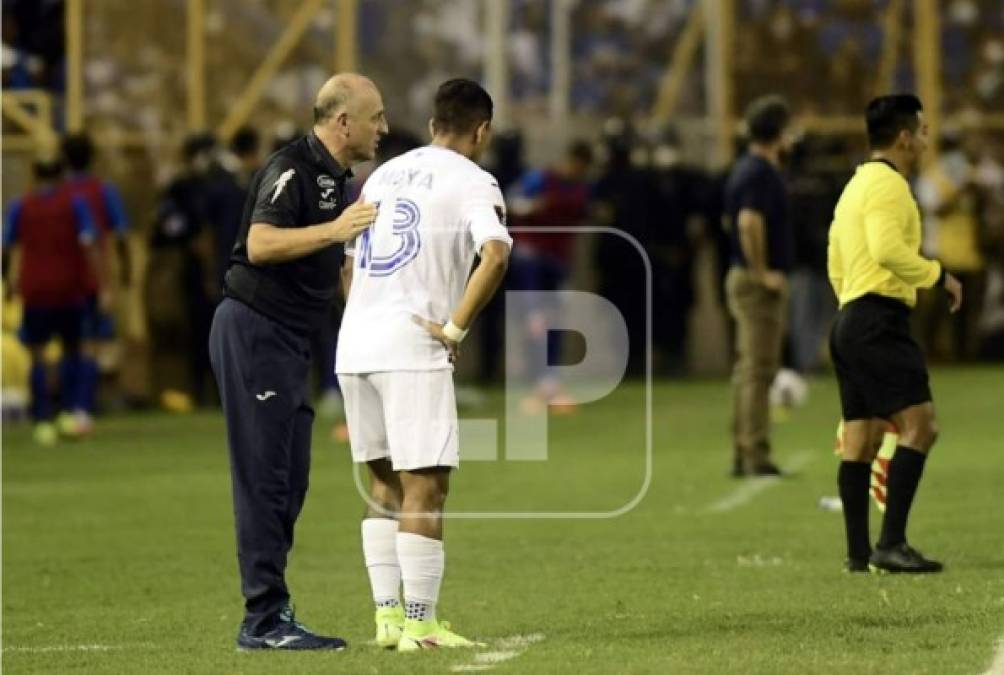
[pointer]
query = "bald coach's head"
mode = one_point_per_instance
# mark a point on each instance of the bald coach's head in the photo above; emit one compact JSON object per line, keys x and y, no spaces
{"x":349,"y":118}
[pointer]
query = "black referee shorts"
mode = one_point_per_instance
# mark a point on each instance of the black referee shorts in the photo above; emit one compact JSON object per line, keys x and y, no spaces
{"x":879,"y":365}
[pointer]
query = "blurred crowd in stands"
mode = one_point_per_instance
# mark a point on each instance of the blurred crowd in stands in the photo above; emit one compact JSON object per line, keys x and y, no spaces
{"x":820,"y":54}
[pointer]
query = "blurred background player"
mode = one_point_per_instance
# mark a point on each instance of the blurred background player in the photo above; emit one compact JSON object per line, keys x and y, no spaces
{"x":228,"y":181}
{"x":816,"y":176}
{"x":954,"y":202}
{"x":181,"y":283}
{"x":412,"y":299}
{"x":542,"y":261}
{"x":54,"y":236}
{"x":678,"y":193}
{"x":105,"y":204}
{"x":622,"y":199}
{"x":876,"y":269}
{"x":756,"y":209}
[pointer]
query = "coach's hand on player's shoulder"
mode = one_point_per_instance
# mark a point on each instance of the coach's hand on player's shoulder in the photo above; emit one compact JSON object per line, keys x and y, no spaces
{"x":354,"y":219}
{"x":436,"y":330}
{"x":954,"y":289}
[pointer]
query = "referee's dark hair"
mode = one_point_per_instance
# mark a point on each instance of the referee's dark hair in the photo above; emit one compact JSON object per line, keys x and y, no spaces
{"x":461,"y":106}
{"x":766,"y":118}
{"x":886,"y":116}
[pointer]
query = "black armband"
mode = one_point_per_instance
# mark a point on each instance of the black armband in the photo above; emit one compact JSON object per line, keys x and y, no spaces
{"x":942,"y":277}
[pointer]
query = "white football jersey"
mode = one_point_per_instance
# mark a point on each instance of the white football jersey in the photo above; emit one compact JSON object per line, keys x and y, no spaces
{"x":435,"y":209}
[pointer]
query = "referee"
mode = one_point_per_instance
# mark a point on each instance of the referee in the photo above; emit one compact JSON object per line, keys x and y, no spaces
{"x":282,"y":278}
{"x":876,"y":270}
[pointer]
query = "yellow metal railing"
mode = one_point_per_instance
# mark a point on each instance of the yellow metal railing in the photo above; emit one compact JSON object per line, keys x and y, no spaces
{"x":31,"y":111}
{"x":710,"y":24}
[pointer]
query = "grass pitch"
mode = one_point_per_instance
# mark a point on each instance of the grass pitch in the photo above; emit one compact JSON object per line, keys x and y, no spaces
{"x":118,"y":552}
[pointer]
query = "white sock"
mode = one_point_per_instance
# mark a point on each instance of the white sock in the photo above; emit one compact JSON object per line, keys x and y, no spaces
{"x":422,"y":561}
{"x":380,"y":552}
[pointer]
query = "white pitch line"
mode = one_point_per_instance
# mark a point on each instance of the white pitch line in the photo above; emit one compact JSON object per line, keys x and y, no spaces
{"x":752,"y":487}
{"x":517,"y":641}
{"x":997,"y":666}
{"x":63,"y":648}
{"x":507,"y":648}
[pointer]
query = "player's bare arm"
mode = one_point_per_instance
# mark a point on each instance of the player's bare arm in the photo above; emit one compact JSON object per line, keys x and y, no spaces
{"x":480,"y":288}
{"x":270,"y":244}
{"x":483,"y":283}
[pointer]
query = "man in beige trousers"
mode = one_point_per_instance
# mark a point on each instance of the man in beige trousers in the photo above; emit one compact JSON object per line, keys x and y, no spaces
{"x":756,"y":212}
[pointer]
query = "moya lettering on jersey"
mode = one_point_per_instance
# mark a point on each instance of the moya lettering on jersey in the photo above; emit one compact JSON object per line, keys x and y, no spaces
{"x":407,"y":176}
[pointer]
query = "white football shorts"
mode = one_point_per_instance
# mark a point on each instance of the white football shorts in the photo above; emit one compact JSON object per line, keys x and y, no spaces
{"x":408,"y":416}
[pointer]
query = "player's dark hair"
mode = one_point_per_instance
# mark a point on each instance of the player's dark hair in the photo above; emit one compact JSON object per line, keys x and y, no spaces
{"x":197,"y":144}
{"x":886,"y":116}
{"x":580,"y":151}
{"x":766,"y":118}
{"x":461,"y":106}
{"x":47,"y":169}
{"x":77,"y":151}
{"x":245,"y":142}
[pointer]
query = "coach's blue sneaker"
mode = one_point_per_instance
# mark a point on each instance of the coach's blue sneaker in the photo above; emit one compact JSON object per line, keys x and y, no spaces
{"x":287,"y":634}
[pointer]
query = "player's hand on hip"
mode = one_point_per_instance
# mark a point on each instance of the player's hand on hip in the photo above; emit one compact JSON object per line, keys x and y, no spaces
{"x":954,"y":289}
{"x":436,"y":330}
{"x":354,"y":219}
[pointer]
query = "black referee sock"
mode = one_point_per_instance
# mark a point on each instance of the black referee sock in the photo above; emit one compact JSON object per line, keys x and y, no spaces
{"x":905,"y":470}
{"x":853,"y":479}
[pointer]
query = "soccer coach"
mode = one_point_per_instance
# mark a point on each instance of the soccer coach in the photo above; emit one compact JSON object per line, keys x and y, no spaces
{"x":876,"y":269}
{"x":283,"y":275}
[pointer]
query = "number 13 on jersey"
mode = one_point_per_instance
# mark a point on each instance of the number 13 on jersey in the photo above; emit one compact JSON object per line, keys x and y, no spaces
{"x":405,"y":230}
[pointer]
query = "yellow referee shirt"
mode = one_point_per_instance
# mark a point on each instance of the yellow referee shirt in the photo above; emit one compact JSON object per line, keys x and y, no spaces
{"x":875,"y":239}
